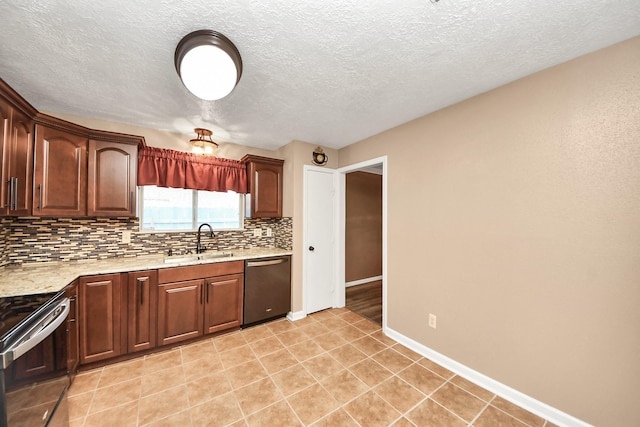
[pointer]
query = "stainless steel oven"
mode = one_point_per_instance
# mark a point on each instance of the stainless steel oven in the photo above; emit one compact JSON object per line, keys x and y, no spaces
{"x":33,"y":360}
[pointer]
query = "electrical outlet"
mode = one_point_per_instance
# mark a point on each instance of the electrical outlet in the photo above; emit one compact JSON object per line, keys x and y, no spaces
{"x":432,"y":320}
{"x":257,"y":232}
{"x":269,"y":232}
{"x":126,"y":236}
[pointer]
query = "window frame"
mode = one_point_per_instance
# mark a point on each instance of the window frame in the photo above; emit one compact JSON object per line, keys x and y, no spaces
{"x":194,"y":213}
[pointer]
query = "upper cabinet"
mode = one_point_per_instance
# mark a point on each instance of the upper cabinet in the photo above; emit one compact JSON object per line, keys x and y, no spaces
{"x":16,"y":160}
{"x":264,"y":199}
{"x":64,"y":169}
{"x":60,"y":178}
{"x":111,"y":188}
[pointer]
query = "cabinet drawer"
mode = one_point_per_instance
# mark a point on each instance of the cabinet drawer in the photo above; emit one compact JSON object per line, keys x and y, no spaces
{"x":178,"y":274}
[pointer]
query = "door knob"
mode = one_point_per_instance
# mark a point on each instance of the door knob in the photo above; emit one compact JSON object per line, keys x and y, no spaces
{"x":311,"y":248}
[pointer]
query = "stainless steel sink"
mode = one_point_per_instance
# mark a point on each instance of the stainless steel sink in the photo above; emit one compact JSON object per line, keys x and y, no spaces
{"x":192,"y":258}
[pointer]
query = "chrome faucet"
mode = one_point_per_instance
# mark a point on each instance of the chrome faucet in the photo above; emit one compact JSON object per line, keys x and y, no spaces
{"x":199,"y":248}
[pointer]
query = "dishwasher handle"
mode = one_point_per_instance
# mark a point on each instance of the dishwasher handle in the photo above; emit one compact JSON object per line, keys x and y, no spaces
{"x":265,"y":263}
{"x":36,"y":334}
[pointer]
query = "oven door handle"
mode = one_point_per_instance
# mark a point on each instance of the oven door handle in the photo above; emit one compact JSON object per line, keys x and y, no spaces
{"x":37,"y":333}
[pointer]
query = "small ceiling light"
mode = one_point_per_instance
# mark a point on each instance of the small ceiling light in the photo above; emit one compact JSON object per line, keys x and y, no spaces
{"x":203,"y":144}
{"x":208,"y":64}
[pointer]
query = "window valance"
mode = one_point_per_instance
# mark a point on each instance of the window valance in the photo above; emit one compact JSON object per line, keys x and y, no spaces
{"x":176,"y":169}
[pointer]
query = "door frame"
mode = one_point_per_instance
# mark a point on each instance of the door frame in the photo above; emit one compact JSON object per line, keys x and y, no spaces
{"x":340,"y":243}
{"x":335,"y":237}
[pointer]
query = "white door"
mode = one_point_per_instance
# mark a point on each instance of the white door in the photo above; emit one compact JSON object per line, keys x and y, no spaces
{"x":319,"y":241}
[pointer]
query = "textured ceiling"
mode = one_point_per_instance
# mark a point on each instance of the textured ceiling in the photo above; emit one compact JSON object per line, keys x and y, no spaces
{"x":329,"y":73}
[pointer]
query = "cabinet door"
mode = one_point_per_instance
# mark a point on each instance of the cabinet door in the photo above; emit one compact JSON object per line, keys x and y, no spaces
{"x":180,"y":311}
{"x":265,"y":187}
{"x":112,"y":179}
{"x":99,"y":299}
{"x":60,"y":178}
{"x":73,"y":359}
{"x":223,"y":303}
{"x":142,"y":310}
{"x":17,"y":162}
{"x":5,"y":123}
{"x":36,"y":363}
{"x":21,"y":163}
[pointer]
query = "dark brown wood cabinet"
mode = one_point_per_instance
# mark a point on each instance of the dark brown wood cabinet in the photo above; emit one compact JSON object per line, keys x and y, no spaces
{"x":62,"y":169}
{"x":142,"y":305}
{"x":223,"y":303}
{"x":180,"y":311}
{"x":111,"y":187}
{"x":264,"y":174}
{"x":73,"y":349}
{"x":60,"y":178}
{"x":208,"y":299}
{"x":36,"y":363}
{"x":16,"y":151}
{"x":99,"y":314}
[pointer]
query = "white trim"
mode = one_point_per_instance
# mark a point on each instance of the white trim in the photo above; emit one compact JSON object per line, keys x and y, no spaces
{"x":362,"y":281}
{"x":342,"y":183}
{"x":296,"y":315}
{"x":541,"y":409}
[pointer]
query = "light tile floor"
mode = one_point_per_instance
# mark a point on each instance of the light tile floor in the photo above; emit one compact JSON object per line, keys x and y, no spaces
{"x":333,"y":368}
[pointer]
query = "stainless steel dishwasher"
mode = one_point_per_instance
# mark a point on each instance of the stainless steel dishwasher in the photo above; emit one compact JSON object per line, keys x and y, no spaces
{"x":267,"y":289}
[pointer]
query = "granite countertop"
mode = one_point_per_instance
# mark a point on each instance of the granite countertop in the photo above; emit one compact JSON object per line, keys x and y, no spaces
{"x":47,"y":277}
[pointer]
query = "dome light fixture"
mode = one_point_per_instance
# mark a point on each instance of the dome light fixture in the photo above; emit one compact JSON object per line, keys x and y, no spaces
{"x":208,"y":64}
{"x":203,"y":144}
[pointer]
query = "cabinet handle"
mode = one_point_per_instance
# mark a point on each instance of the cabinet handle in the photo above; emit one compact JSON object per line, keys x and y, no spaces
{"x":207,"y":284}
{"x":39,"y":197}
{"x":141,"y":281}
{"x":74,"y":300}
{"x":131,"y":202}
{"x":11,"y":196}
{"x":15,"y":193}
{"x":201,"y":293}
{"x":9,"y":193}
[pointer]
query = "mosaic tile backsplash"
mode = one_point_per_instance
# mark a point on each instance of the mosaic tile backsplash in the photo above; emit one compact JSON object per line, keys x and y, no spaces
{"x":28,"y":240}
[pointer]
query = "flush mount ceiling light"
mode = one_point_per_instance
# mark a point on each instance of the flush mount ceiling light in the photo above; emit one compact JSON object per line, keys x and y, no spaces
{"x":203,"y":144}
{"x":208,"y":64}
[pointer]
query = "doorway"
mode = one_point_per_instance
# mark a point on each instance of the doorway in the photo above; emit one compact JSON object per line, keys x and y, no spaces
{"x":362,"y":245}
{"x":363,"y":242}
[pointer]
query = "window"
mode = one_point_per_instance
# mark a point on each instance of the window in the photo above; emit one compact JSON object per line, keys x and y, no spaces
{"x":177,"y":209}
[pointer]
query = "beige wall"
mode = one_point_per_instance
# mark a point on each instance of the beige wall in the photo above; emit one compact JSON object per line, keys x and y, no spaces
{"x":363,"y":226}
{"x":515,"y":218}
{"x":296,"y":155}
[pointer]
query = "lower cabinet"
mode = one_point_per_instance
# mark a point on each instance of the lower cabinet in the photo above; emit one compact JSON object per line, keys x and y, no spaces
{"x":223,"y":303}
{"x":38,"y":362}
{"x":99,"y":304}
{"x":208,"y":300}
{"x":180,"y":311}
{"x":73,"y":356}
{"x":119,"y":314}
{"x":142,"y":303}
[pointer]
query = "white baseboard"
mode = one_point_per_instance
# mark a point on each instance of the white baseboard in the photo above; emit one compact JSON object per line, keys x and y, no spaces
{"x":514,"y":396}
{"x":362,"y":281}
{"x":297,"y":315}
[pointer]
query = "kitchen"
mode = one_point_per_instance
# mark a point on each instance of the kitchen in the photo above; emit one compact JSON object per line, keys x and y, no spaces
{"x":496,"y":219}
